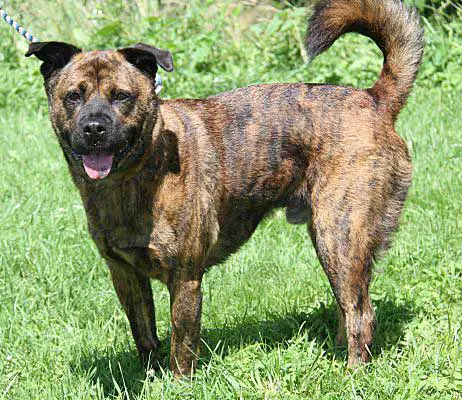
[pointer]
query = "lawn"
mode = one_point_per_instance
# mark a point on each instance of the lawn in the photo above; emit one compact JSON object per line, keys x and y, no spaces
{"x":269,"y":318}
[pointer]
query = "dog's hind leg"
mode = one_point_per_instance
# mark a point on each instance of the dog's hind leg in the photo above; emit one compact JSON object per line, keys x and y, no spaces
{"x":346,"y":242}
{"x":355,"y":212}
{"x":135,"y":295}
{"x":340,"y":338}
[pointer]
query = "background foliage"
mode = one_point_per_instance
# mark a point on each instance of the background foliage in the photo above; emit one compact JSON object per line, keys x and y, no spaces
{"x":227,"y":44}
{"x":269,"y":316}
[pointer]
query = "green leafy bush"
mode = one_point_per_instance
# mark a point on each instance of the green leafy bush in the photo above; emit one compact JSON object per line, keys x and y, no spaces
{"x":217,"y":45}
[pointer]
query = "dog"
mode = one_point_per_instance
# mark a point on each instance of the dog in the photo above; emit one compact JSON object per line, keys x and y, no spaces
{"x":171,"y":188}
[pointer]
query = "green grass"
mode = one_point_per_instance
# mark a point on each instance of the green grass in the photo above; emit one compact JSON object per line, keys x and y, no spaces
{"x":269,"y":318}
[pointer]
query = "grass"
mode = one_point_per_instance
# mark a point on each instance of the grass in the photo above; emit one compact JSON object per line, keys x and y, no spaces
{"x":269,"y":319}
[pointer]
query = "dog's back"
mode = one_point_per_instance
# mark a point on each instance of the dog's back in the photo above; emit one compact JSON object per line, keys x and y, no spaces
{"x":285,"y":128}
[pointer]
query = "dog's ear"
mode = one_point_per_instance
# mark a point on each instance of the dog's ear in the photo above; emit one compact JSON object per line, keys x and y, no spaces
{"x":55,"y":55}
{"x":147,"y":58}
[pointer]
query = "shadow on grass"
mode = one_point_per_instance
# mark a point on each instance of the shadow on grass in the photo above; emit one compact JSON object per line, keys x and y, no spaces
{"x":121,"y":373}
{"x":319,"y":325}
{"x":118,"y":374}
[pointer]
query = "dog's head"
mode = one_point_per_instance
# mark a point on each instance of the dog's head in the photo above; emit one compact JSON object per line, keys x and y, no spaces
{"x":102,"y":103}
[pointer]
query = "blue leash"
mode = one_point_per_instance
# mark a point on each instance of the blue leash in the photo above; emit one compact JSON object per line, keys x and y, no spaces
{"x":31,"y":38}
{"x":17,"y":27}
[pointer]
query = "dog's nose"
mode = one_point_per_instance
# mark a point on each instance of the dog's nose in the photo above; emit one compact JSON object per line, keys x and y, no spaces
{"x":94,"y":129}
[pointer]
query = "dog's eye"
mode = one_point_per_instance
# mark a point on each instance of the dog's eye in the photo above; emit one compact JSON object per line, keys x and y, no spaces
{"x":73,"y":97}
{"x":122,"y":96}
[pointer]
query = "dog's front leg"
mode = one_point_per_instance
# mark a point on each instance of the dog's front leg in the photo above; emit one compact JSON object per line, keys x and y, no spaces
{"x":135,"y":295}
{"x":185,"y":307}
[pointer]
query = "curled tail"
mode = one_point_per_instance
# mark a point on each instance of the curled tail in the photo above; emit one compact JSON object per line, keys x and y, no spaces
{"x":395,"y":29}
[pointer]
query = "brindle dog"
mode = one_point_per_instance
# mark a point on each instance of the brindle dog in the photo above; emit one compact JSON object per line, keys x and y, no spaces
{"x":171,"y":188}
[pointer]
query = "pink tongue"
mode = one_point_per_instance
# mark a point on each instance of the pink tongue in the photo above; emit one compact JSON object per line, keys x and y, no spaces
{"x":97,"y":166}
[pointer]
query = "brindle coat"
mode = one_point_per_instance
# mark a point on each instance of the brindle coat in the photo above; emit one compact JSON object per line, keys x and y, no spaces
{"x":192,"y":179}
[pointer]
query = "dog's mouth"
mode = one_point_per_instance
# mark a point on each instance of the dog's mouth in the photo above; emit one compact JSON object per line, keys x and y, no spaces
{"x":98,"y":165}
{"x":100,"y":162}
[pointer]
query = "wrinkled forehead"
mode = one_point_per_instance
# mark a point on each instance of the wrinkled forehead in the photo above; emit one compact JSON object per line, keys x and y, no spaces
{"x":102,"y":71}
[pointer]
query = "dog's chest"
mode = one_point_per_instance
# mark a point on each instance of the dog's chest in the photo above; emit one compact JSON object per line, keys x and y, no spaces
{"x":125,"y":227}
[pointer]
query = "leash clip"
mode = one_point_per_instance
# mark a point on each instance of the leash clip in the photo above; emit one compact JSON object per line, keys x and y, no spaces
{"x":158,"y":84}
